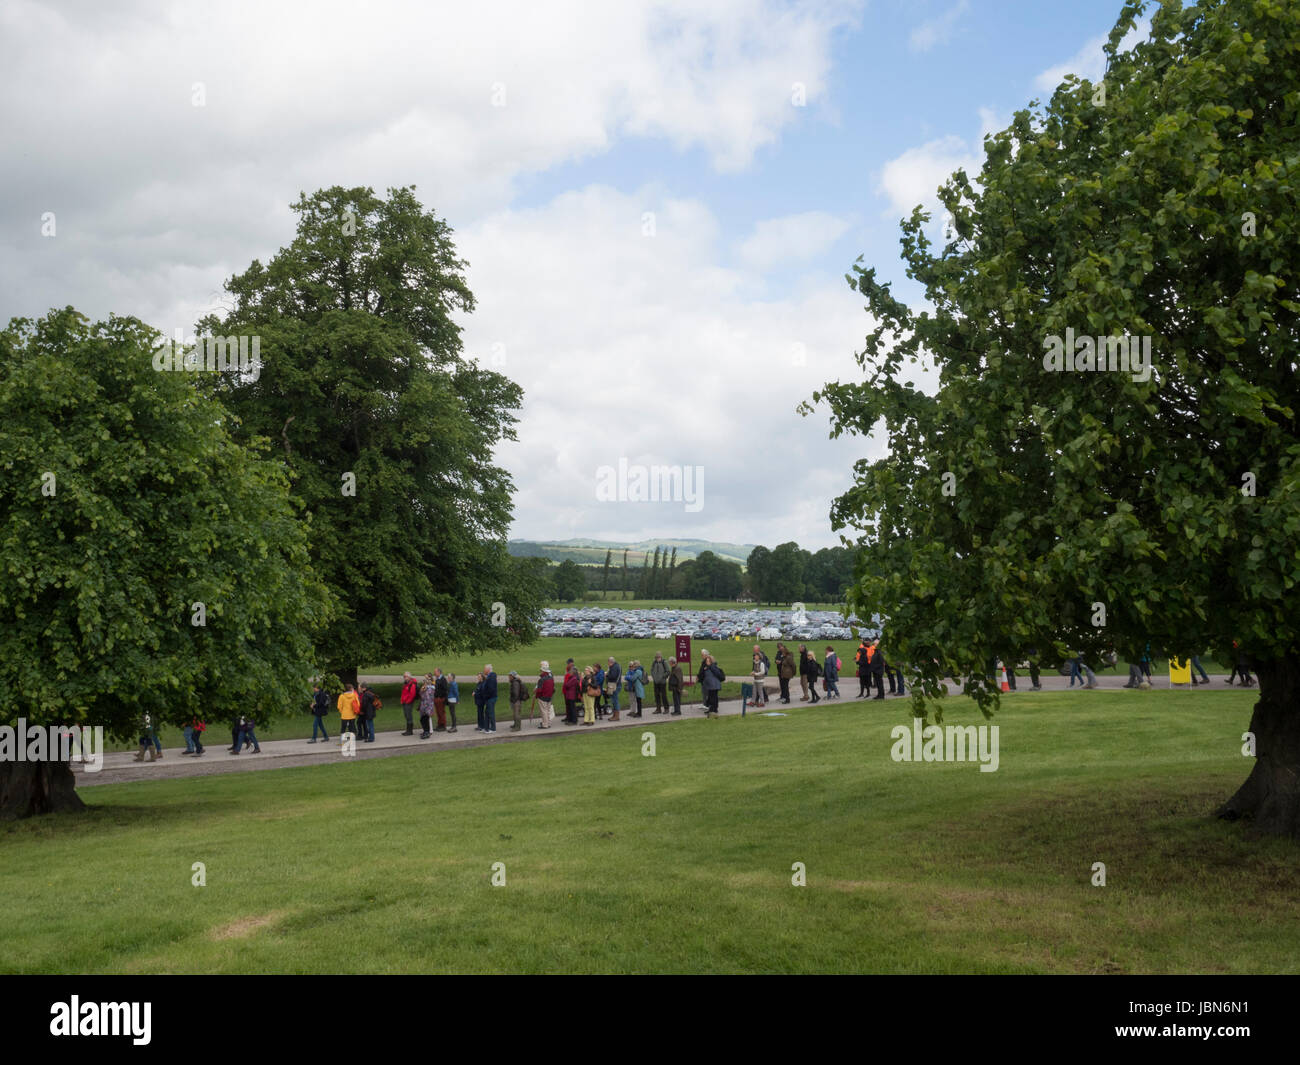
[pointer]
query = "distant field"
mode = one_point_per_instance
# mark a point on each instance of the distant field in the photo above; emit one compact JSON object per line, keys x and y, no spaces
{"x":615,"y":862}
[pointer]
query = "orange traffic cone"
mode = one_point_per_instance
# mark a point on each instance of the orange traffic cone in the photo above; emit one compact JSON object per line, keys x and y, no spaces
{"x":1005,"y":686}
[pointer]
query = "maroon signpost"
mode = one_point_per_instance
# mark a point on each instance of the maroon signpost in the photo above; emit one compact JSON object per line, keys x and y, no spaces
{"x":683,"y":656}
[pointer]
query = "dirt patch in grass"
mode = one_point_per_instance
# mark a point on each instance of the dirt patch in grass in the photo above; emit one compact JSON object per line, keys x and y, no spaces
{"x":246,"y":926}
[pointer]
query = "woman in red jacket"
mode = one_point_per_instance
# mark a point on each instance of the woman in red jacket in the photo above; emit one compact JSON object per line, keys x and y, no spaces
{"x":544,"y":691}
{"x":572,"y":692}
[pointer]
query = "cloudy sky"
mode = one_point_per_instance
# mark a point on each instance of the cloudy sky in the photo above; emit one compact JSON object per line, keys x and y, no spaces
{"x":658,"y":199}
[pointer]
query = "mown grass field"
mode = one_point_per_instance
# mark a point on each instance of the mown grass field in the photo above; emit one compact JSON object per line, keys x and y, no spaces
{"x":615,"y":862}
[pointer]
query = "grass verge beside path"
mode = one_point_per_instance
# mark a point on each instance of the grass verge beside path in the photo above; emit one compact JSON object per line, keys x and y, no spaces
{"x":682,"y":862}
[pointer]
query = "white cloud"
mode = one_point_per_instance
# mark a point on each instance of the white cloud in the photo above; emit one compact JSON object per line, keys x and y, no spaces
{"x":792,"y":239}
{"x":1089,"y":62}
{"x":642,"y":348}
{"x":915,"y":176}
{"x":937,"y":30}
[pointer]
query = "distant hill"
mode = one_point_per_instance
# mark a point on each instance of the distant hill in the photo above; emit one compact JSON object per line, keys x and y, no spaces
{"x":587,"y":552}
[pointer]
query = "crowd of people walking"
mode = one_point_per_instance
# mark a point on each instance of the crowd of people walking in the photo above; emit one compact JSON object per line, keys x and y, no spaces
{"x":595,"y":692}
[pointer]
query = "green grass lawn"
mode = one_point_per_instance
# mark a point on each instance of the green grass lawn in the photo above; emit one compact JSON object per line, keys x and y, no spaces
{"x":682,"y":862}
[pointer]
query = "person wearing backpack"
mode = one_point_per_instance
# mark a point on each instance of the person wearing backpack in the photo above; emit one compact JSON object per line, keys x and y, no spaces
{"x":518,"y":695}
{"x":710,"y":677}
{"x":320,"y":704}
{"x":831,"y":673}
{"x":410,"y":695}
{"x":659,"y":678}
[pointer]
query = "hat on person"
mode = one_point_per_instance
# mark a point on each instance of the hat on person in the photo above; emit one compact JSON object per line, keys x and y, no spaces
{"x":513,"y":673}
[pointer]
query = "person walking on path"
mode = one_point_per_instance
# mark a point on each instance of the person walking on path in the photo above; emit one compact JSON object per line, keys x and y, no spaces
{"x":320,"y":705}
{"x":758,"y":672}
{"x":613,"y":674}
{"x":862,"y":665}
{"x":428,"y":707}
{"x":246,"y":735}
{"x":369,"y":708}
{"x":478,"y":702}
{"x":601,"y":703}
{"x":545,"y":692}
{"x":518,"y":695}
{"x":710,"y":677}
{"x":805,"y":672}
{"x":148,"y":740}
{"x":635,"y":680}
{"x":453,"y":697}
{"x":409,"y":697}
{"x":877,"y":670}
{"x":812,"y":672}
{"x":785,"y":670}
{"x":675,"y":682}
{"x":1196,"y":665}
{"x":194,"y":736}
{"x":589,"y":692}
{"x":659,"y":678}
{"x":831,"y":671}
{"x":440,"y":699}
{"x":572,"y":689}
{"x":349,"y":710}
{"x":490,"y":699}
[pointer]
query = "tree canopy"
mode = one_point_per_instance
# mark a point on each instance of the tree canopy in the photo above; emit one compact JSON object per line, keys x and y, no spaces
{"x":152,"y":564}
{"x":1016,"y":500}
{"x":388,"y":433}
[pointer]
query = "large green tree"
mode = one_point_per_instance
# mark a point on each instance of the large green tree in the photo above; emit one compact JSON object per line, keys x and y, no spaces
{"x":388,"y":432}
{"x":758,"y":566}
{"x":1021,"y":507}
{"x":151,"y":563}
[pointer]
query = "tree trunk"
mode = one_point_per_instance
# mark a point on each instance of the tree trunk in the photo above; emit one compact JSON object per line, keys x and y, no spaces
{"x":347,"y":676}
{"x":1270,"y":797}
{"x":31,"y":788}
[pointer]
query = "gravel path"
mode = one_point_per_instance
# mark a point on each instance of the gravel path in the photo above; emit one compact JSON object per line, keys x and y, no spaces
{"x":122,"y":767}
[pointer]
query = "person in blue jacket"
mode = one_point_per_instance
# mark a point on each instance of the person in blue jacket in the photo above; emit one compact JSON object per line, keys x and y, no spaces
{"x":635,"y":678}
{"x":453,"y":697}
{"x":831,"y":671}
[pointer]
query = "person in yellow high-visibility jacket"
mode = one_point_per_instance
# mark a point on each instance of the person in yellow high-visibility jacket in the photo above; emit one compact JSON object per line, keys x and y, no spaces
{"x":349,"y":708}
